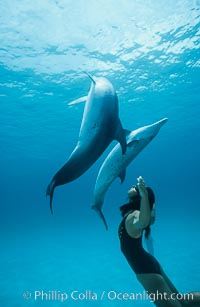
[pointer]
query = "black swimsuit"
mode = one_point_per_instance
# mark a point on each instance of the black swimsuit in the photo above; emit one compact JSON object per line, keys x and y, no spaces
{"x":140,"y":261}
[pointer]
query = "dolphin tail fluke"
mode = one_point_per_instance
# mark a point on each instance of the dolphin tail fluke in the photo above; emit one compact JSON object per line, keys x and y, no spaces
{"x":100,"y":213}
{"x":50,"y":192}
{"x":121,"y":137}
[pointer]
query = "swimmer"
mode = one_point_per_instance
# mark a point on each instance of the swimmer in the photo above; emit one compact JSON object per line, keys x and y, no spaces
{"x":138,"y":215}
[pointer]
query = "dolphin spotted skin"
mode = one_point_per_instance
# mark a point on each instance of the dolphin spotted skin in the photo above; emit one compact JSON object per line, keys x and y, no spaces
{"x":115,"y":163}
{"x":100,"y":126}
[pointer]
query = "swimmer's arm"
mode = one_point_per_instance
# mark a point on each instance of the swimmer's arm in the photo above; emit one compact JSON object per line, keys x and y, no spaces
{"x":145,"y":213}
{"x":140,"y":219}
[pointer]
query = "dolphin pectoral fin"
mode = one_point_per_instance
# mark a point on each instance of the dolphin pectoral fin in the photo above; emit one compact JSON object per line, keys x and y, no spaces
{"x":76,"y":101}
{"x":122,"y":175}
{"x":131,"y":143}
{"x":121,"y":137}
{"x":100,"y":213}
{"x":50,"y":192}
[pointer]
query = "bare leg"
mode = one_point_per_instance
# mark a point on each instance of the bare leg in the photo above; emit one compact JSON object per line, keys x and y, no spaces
{"x":189,"y":299}
{"x":158,"y":290}
{"x":168,"y":281}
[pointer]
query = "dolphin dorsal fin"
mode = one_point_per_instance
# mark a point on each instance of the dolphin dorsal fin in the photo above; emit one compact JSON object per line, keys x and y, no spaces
{"x":127,"y":132}
{"x":91,"y":78}
{"x":121,"y":137}
{"x":122,"y":175}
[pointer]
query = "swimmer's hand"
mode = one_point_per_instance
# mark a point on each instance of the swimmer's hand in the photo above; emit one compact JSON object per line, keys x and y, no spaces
{"x":141,"y":187}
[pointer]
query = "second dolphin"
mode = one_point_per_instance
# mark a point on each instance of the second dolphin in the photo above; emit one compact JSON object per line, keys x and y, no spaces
{"x":115,"y":163}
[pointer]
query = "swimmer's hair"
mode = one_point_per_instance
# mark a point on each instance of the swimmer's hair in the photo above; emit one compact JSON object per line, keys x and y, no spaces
{"x":134,"y":202}
{"x":151,"y":197}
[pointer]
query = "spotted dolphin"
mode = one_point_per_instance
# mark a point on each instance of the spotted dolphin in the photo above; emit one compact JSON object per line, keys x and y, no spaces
{"x":99,"y":127}
{"x":115,"y":163}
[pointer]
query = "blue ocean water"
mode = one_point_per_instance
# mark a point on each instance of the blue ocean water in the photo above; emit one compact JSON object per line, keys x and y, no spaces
{"x":150,"y":52}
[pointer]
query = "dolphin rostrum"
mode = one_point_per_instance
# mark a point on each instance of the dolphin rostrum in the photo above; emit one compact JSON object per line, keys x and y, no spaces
{"x":115,"y":163}
{"x":100,"y":126}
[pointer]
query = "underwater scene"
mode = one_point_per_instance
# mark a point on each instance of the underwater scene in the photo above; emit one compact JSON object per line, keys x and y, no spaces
{"x":60,"y":60}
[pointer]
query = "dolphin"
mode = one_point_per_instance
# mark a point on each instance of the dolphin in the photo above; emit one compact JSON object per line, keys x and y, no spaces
{"x":115,"y":163}
{"x":99,"y":127}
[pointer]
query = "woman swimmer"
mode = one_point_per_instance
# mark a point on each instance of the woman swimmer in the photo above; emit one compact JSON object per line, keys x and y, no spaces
{"x":138,"y":215}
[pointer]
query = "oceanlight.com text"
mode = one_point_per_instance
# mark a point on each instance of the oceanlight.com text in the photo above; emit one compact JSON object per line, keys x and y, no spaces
{"x":112,"y":295}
